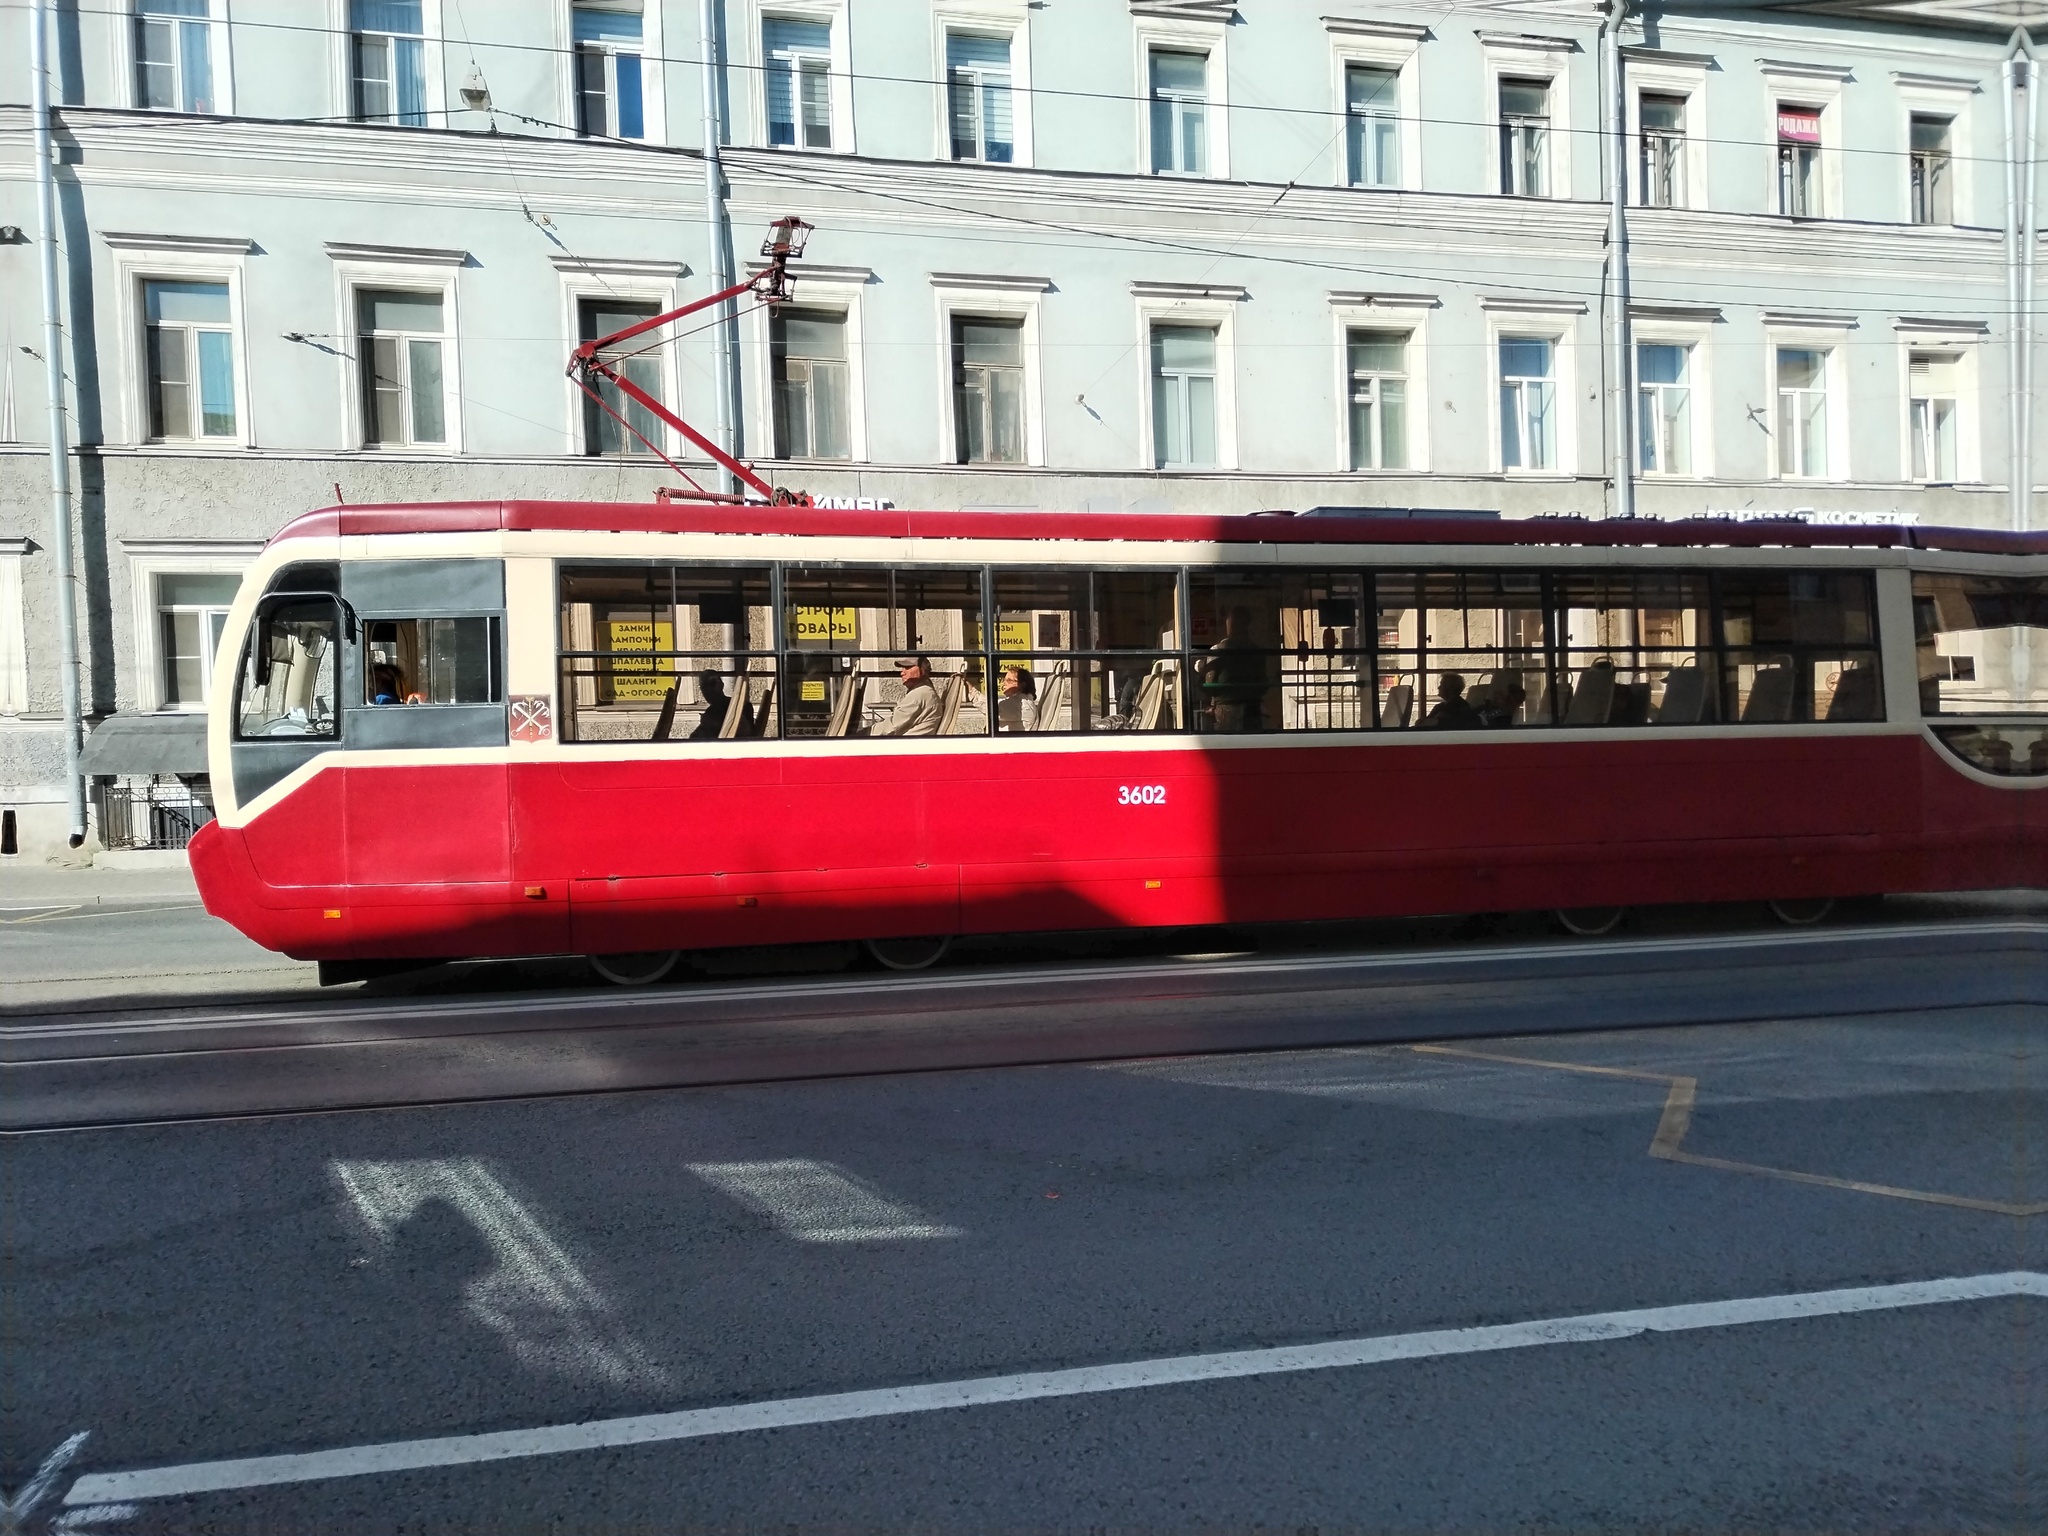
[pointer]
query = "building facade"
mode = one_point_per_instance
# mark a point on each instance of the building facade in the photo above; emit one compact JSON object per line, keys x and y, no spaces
{"x":1173,"y":255}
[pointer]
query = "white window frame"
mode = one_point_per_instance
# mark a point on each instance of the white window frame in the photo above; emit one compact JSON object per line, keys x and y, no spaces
{"x":1651,"y":330}
{"x":653,"y":76}
{"x":219,"y":41}
{"x":13,"y":629}
{"x":432,"y":64}
{"x":1378,"y":45}
{"x":1384,"y":312}
{"x":1207,"y":306}
{"x":1531,"y":58}
{"x":1559,"y":325}
{"x":629,"y":281}
{"x":971,"y":295}
{"x":1152,"y":34}
{"x":1811,"y":88}
{"x":360,"y":267}
{"x":148,"y":561}
{"x":985,"y":18}
{"x":1934,"y":96}
{"x":1832,"y":338}
{"x":840,"y":288}
{"x":139,"y":259}
{"x":1649,"y":75}
{"x":1968,"y":345}
{"x":839,"y":78}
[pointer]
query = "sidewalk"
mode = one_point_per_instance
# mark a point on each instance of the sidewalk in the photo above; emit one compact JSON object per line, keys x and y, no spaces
{"x":34,"y":885}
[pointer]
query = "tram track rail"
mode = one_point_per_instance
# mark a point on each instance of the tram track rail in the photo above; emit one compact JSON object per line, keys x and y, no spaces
{"x":330,"y":1053}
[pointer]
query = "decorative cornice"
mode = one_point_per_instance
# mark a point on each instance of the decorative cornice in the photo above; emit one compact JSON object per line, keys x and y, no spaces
{"x":1639,"y":54}
{"x":1359,"y":26}
{"x":1509,"y":306}
{"x":1222,"y":11}
{"x":613,"y":266}
{"x":1000,"y":281}
{"x":395,"y":255}
{"x":1707,"y":314}
{"x":159,"y":549}
{"x":1358,"y":299}
{"x":1952,"y":327}
{"x":1529,"y":41}
{"x":1818,"y":319}
{"x":1936,"y":82}
{"x":809,"y":272}
{"x":1801,"y":69}
{"x":1229,"y":292}
{"x":15,"y":546}
{"x":196,"y":245}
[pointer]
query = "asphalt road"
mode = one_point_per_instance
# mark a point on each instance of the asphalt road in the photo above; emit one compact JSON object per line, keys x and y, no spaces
{"x":567,"y":1313}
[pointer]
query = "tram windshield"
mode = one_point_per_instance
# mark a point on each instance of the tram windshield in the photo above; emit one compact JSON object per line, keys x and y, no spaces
{"x":288,"y":677}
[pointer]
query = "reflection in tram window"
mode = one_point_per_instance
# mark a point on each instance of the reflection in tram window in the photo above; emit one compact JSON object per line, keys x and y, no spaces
{"x":666,"y":653}
{"x":1636,"y":648}
{"x":1460,"y":650}
{"x":1088,"y":650}
{"x":1982,"y":643}
{"x":1799,"y":646}
{"x":847,"y":628}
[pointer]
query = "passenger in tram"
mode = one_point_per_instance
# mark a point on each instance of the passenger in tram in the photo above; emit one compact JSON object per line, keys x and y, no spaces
{"x":1451,"y":712}
{"x":1017,"y":708}
{"x":917,"y":712}
{"x":1234,"y":676}
{"x":1501,"y":707}
{"x":386,"y":685}
{"x":712,"y":721}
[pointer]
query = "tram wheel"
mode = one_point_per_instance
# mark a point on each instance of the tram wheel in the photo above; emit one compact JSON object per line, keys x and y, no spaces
{"x":1803,"y":913}
{"x":909,"y":954}
{"x":640,"y":969}
{"x":1588,"y":922}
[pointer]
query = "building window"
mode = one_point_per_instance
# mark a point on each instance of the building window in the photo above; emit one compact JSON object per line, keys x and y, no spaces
{"x":798,"y":58}
{"x":1664,"y":408}
{"x":1378,"y":362}
{"x":1184,"y":396}
{"x":1933,"y":200}
{"x":608,"y":81}
{"x":190,"y":353}
{"x":1663,"y":151}
{"x":191,"y":611}
{"x":390,"y":44}
{"x":174,"y":55}
{"x":978,"y":98}
{"x":1524,"y":137}
{"x":1932,"y":393}
{"x":807,"y":352}
{"x":404,"y":390}
{"x":1802,"y":413}
{"x":1528,"y":403}
{"x":1799,"y":162}
{"x":1372,"y":126}
{"x":1180,"y":113}
{"x":602,"y":430}
{"x":988,"y":390}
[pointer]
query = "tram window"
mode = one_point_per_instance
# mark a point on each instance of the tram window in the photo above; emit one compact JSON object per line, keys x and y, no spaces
{"x":1087,"y":651}
{"x":431,"y":661}
{"x":846,"y":629}
{"x":1635,"y":648}
{"x":1278,"y":651}
{"x":1799,"y":646}
{"x":667,"y":653}
{"x":1460,"y":650}
{"x":1982,"y":643}
{"x":288,"y":674}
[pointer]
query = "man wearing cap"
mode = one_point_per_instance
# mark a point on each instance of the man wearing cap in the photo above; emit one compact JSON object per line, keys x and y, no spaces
{"x":917,"y":712}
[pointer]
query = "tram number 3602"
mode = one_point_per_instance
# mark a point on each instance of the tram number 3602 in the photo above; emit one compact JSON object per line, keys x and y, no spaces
{"x":1141,"y":794}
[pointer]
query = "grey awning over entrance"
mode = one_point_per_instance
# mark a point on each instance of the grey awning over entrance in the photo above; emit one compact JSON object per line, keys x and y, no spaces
{"x":146,"y":744}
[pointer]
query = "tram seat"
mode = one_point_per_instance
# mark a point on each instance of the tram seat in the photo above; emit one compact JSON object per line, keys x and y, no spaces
{"x":763,"y":722}
{"x":1052,"y":703}
{"x":1685,"y":696}
{"x":666,"y":721}
{"x":1593,"y":696}
{"x":1855,"y":695}
{"x":952,"y":694}
{"x":1151,"y":700}
{"x":848,"y":707}
{"x":1394,"y":713}
{"x":1537,"y":711}
{"x":1770,"y":695}
{"x":2037,"y":756}
{"x":737,"y":712}
{"x":1631,"y":704}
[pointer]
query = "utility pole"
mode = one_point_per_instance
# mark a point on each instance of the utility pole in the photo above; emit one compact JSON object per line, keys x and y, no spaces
{"x":60,"y":456}
{"x":1618,"y":370}
{"x":723,"y":347}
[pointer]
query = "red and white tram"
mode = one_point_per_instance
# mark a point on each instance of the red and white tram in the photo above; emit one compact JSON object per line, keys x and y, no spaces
{"x":519,"y":728}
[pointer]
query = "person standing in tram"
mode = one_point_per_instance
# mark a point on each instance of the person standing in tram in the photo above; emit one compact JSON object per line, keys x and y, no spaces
{"x":1017,"y":709}
{"x":917,"y":712}
{"x":1234,"y":677}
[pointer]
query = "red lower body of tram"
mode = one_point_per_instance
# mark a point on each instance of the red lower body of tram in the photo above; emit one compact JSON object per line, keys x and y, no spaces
{"x":448,"y":860}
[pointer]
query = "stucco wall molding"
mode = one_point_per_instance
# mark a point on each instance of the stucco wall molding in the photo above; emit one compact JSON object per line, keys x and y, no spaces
{"x":194,"y":245}
{"x":395,"y":255}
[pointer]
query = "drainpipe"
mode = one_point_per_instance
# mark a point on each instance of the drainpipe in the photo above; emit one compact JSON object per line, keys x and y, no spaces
{"x":60,"y":457}
{"x":2008,"y":73}
{"x":2030,"y":240}
{"x":1618,"y":370}
{"x":726,"y":322}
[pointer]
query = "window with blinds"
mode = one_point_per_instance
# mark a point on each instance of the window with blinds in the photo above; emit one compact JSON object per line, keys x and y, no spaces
{"x":978,"y":104}
{"x":797,"y":68}
{"x":1932,"y":413}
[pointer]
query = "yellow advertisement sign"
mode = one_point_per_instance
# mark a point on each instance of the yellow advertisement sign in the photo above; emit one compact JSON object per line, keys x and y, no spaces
{"x":822,"y":626}
{"x":1013,"y":636}
{"x":637,"y":673}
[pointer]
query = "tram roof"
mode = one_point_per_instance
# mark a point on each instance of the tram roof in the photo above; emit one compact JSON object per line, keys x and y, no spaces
{"x":1364,"y":528}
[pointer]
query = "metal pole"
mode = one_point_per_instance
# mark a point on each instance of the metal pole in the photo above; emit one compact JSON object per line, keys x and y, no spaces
{"x":2014,"y":453}
{"x":60,"y":457}
{"x":715,"y":235}
{"x":1618,"y":370}
{"x":2030,"y":239}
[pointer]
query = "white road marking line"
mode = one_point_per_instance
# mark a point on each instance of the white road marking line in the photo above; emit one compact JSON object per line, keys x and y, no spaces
{"x":87,"y":1519}
{"x":839,"y":1407}
{"x":537,"y":1298}
{"x":14,"y":1510}
{"x":816,"y":1202}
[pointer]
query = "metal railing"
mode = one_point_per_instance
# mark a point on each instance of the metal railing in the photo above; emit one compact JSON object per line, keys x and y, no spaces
{"x":153,"y":813}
